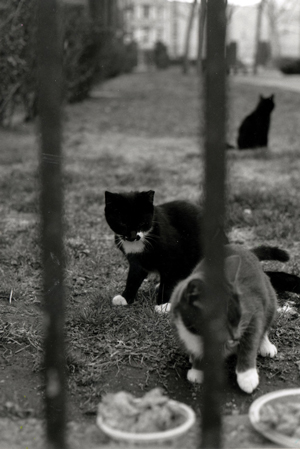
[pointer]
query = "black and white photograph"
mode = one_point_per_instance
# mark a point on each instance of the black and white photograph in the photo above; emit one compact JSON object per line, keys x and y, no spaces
{"x":149,"y":224}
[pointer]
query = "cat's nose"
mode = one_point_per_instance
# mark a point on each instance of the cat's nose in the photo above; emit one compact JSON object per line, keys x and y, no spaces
{"x":133,"y":235}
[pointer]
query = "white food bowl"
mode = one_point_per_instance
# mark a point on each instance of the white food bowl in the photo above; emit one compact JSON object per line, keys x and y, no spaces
{"x":274,"y":397}
{"x":121,"y":435}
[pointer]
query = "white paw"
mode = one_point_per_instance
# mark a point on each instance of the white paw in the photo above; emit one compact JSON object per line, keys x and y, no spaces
{"x":267,"y":349}
{"x":119,"y":301}
{"x":195,"y":376}
{"x":163,"y":308}
{"x":248,"y":380}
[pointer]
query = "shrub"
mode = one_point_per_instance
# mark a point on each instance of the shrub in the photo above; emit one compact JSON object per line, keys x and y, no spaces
{"x":80,"y":53}
{"x":289,"y":66}
{"x":18,"y":82}
{"x":161,"y":57}
{"x":117,"y":58}
{"x":17,"y":60}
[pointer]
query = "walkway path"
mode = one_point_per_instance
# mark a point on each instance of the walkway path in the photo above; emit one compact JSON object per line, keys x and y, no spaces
{"x":271,"y":78}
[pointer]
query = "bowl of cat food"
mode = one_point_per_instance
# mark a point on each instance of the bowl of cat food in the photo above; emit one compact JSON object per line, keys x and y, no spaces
{"x":276,"y":415}
{"x":153,"y":417}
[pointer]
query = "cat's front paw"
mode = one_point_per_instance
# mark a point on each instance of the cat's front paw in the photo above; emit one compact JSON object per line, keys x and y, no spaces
{"x":163,"y":308}
{"x":195,"y":376}
{"x":119,"y":301}
{"x":269,"y":350}
{"x":248,"y":380}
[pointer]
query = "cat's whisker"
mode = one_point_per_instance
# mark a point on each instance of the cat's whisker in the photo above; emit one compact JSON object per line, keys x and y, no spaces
{"x":150,"y":237}
{"x":147,"y":243}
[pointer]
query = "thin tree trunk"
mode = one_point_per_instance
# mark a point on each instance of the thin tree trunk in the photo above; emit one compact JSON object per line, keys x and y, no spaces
{"x":260,"y":7}
{"x":274,"y":38}
{"x":201,"y":34}
{"x":186,"y":62}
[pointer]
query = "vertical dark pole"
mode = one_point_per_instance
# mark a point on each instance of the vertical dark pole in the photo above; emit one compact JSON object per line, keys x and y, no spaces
{"x":213,"y":241}
{"x":49,"y":46}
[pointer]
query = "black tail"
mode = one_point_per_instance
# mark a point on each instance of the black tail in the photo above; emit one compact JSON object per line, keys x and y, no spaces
{"x":281,"y":281}
{"x":270,"y":253}
{"x":284,"y":282}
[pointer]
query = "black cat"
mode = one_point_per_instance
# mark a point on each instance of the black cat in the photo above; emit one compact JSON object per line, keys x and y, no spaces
{"x":254,"y":129}
{"x":163,"y":239}
{"x":166,"y":239}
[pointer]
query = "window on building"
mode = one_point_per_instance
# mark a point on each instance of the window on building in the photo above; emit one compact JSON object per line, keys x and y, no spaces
{"x":160,"y":12}
{"x":146,"y":11}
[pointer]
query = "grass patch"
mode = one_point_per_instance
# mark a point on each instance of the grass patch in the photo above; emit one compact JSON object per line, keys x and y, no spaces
{"x":145,"y":137}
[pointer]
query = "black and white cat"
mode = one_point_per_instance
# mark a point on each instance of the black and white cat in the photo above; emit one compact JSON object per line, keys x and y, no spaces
{"x":164,"y":239}
{"x":254,"y":129}
{"x":251,"y":310}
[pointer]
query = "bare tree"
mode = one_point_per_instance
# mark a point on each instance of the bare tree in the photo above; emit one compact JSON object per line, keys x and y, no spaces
{"x":274,"y":34}
{"x":202,"y":19}
{"x":260,"y":8}
{"x":185,"y":66}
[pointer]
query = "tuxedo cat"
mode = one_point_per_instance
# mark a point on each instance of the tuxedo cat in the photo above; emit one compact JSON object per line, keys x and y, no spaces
{"x":254,"y":129}
{"x":163,"y":239}
{"x":251,"y":310}
{"x":166,"y":239}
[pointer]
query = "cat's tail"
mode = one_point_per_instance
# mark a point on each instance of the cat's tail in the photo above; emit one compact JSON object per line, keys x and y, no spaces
{"x":270,"y":253}
{"x":280,"y":280}
{"x":284,"y":282}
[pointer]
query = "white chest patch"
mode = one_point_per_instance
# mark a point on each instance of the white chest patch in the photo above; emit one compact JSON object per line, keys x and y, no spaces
{"x":133,"y":247}
{"x":137,"y":246}
{"x":192,"y":342}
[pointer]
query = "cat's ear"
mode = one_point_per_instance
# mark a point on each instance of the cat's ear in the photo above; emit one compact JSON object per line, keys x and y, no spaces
{"x":272,"y":97}
{"x":109,"y":197}
{"x":150,"y":195}
{"x":232,"y":268}
{"x":194,"y":292}
{"x":261,"y":97}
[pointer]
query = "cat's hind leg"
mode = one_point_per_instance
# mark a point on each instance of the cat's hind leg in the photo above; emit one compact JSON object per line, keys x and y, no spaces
{"x":165,"y":288}
{"x":163,"y":308}
{"x":267,"y":349}
{"x":195,"y":374}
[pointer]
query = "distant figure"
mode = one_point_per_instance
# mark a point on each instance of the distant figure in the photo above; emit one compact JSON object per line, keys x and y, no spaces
{"x":254,"y":129}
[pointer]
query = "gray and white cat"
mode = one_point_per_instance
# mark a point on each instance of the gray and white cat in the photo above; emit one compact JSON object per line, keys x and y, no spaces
{"x":251,"y":309}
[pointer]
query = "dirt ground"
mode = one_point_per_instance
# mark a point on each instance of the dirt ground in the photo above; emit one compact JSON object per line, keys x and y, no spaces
{"x":21,"y":376}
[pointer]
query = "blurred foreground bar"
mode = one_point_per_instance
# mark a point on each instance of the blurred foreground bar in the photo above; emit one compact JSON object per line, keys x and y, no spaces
{"x":213,"y":226}
{"x":50,"y":79}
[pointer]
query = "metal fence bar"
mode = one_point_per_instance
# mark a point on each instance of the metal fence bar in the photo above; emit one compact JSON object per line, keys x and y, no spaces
{"x":50,"y":88}
{"x":213,"y":235}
